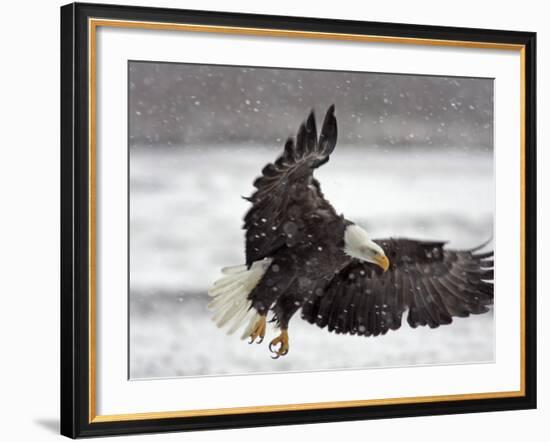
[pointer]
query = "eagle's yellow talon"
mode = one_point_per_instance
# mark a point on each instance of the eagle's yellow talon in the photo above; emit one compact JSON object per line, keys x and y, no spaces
{"x":282,"y":339}
{"x":258,"y":331}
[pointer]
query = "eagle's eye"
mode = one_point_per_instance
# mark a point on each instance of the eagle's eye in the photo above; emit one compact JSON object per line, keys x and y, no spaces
{"x":369,"y":251}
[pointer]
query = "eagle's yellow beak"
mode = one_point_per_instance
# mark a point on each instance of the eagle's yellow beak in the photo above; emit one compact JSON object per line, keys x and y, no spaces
{"x":383,"y":262}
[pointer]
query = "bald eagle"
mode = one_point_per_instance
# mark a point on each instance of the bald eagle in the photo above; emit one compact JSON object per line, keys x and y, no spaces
{"x":300,"y":254}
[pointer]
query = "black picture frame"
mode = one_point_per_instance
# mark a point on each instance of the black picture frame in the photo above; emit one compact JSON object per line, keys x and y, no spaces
{"x":75,"y":221}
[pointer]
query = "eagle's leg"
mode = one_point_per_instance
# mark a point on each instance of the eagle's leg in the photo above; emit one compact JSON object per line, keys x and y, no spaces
{"x":285,"y":308}
{"x":282,"y":341}
{"x":258,"y":330}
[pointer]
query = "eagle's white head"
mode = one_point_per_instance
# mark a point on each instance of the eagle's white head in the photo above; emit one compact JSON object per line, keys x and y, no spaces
{"x":357,"y":244}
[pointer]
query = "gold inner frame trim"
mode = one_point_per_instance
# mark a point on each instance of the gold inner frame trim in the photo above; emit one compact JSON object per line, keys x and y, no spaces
{"x":93,"y":24}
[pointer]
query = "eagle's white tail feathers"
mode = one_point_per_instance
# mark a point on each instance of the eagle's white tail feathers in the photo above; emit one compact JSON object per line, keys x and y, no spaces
{"x":225,"y":284}
{"x":230,"y":304}
{"x":234,"y":269}
{"x":250,"y":325}
{"x":224,"y":291}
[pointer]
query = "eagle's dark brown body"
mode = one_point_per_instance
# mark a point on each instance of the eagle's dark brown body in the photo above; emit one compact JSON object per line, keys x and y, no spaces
{"x":303,"y":270}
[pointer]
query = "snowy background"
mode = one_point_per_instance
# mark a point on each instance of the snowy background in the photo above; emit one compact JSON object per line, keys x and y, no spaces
{"x":414,"y":158}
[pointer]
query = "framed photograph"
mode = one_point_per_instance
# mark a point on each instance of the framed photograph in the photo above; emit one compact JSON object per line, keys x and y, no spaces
{"x":218,"y":271}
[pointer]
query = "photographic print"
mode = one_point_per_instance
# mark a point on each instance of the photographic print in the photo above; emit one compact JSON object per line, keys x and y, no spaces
{"x":340,"y":220}
{"x":252,"y":200}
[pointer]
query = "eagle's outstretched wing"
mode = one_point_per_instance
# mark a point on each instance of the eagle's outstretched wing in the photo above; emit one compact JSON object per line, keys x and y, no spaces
{"x":432,"y":283}
{"x":286,"y":191}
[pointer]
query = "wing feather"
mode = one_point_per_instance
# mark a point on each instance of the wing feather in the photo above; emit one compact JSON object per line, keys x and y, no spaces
{"x":430,"y":282}
{"x":286,"y":191}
